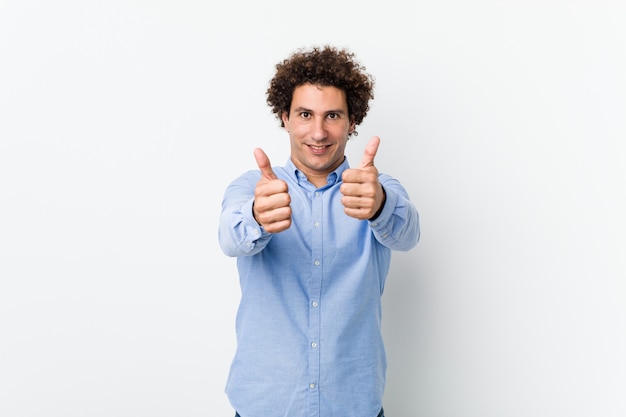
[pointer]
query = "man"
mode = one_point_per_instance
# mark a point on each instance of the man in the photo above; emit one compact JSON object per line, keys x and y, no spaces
{"x":313,"y":242}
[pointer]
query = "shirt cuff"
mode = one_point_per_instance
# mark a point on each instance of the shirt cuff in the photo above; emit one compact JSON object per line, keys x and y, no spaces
{"x":381,"y":224}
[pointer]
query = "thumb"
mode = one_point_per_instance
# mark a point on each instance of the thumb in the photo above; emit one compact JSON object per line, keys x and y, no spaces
{"x":370,"y":152}
{"x":264,"y":165}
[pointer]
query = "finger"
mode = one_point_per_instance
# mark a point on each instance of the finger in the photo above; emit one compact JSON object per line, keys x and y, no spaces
{"x":263,"y":162}
{"x":360,"y":176}
{"x":370,"y":152}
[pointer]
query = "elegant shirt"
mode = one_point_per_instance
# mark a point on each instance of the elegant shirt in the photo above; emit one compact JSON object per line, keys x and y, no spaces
{"x":308,"y":326}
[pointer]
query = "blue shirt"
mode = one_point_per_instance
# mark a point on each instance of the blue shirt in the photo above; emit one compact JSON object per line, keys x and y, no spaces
{"x":308,"y":327}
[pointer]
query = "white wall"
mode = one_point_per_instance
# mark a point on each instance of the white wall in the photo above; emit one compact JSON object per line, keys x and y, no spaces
{"x":122,"y":122}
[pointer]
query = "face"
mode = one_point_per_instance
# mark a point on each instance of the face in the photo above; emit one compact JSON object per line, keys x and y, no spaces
{"x":318,"y":124}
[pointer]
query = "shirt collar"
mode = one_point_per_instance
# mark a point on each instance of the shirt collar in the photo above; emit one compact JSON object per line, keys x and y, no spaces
{"x":332,"y":178}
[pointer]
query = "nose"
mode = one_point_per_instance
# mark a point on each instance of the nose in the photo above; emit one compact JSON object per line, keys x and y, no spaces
{"x":318,"y":129}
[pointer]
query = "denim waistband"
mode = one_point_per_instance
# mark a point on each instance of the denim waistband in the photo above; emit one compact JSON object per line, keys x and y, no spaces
{"x":381,"y":414}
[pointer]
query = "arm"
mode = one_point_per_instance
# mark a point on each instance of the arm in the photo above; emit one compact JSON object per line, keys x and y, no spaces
{"x":397,"y":225}
{"x":239,"y":233}
{"x":255,"y":205}
{"x":368,"y":195}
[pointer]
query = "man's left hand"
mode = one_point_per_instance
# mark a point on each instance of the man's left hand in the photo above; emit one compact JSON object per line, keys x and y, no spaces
{"x":363,"y":194}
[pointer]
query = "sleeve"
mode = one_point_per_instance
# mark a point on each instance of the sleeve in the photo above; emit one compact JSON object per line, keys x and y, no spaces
{"x":239,"y":234}
{"x":397,"y":227}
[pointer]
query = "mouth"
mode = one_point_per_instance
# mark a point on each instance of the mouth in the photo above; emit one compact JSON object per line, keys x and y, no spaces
{"x":318,"y":149}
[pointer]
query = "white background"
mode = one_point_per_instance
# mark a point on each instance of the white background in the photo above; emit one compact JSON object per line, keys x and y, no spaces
{"x":121,"y":123}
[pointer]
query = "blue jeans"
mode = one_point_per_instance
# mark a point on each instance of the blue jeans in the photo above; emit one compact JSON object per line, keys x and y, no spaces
{"x":381,"y":414}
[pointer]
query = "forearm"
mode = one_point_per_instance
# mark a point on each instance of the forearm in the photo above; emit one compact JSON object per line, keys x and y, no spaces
{"x":239,"y":234}
{"x":397,"y":224}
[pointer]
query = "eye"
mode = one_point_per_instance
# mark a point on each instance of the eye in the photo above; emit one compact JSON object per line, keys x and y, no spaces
{"x":333,"y":116}
{"x":305,"y":114}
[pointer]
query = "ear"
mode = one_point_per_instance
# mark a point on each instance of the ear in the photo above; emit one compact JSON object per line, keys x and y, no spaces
{"x":285,"y":118}
{"x":352,"y":126}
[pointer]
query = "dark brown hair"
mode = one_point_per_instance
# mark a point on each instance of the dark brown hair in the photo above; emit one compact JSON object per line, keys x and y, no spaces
{"x":325,"y":66}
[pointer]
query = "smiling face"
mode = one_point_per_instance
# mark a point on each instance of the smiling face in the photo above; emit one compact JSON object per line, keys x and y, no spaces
{"x":319,"y":125}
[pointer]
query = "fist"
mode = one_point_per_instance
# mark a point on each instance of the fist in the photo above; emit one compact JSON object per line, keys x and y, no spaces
{"x":271,"y":207}
{"x":363,"y":195}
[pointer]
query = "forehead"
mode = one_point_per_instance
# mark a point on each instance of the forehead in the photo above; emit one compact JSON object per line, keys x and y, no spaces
{"x":319,"y":98}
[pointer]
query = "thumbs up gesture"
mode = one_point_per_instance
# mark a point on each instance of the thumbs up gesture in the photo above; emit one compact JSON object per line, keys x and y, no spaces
{"x":363,"y":195}
{"x":271,"y":207}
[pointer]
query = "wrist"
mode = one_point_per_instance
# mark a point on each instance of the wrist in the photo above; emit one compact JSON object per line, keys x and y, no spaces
{"x":382,"y":205}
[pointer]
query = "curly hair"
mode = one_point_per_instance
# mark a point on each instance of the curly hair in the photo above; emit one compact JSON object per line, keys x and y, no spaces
{"x":325,"y":66}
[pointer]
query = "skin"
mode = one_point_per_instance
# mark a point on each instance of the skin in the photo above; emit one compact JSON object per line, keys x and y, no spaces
{"x":319,"y":125}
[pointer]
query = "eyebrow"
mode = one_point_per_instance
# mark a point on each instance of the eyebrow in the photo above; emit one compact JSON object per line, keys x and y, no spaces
{"x":304,"y":109}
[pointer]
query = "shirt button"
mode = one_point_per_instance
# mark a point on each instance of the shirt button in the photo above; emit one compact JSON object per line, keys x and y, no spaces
{"x":317,"y":194}
{"x":317,"y":263}
{"x":314,"y":304}
{"x":311,"y":386}
{"x":317,"y":224}
{"x":314,"y":345}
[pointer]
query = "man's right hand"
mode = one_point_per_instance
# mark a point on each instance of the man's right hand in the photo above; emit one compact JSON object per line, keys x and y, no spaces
{"x":271,"y":207}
